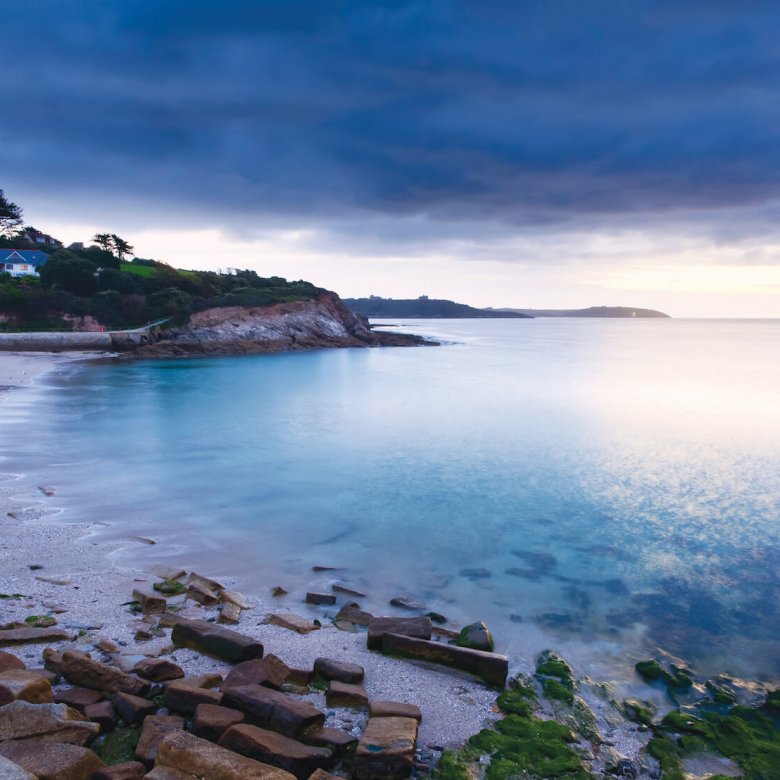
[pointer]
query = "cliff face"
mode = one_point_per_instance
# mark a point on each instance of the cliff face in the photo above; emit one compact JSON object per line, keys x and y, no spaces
{"x":323,"y":321}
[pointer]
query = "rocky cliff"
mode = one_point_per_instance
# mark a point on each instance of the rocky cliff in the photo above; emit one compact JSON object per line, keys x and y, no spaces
{"x":320,"y":322}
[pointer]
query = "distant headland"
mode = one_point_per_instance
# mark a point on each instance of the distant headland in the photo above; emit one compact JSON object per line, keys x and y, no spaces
{"x":435,"y":308}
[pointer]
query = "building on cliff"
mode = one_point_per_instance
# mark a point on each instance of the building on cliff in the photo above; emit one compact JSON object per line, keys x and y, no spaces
{"x":22,"y":262}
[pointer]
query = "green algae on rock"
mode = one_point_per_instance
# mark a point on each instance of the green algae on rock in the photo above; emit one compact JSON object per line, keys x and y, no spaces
{"x":637,"y":711}
{"x":677,"y":679}
{"x":556,"y":677}
{"x":519,"y":698}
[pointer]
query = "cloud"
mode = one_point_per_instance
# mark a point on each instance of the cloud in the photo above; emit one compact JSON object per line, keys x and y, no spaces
{"x":399,"y":121}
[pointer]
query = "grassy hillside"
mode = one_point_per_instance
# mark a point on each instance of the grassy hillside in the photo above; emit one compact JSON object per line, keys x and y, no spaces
{"x":94,"y":283}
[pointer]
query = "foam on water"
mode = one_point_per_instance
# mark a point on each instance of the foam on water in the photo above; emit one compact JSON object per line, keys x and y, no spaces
{"x":608,"y":487}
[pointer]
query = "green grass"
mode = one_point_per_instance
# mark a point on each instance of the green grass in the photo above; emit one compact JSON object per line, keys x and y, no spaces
{"x":139,"y":270}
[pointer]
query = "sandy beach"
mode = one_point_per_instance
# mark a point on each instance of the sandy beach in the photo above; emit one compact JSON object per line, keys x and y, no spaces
{"x":77,"y":575}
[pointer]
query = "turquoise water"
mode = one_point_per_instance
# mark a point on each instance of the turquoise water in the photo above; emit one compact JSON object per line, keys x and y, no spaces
{"x":614,"y":483}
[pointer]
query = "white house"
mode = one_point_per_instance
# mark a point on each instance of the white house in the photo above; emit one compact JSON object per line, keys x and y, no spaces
{"x":22,"y":262}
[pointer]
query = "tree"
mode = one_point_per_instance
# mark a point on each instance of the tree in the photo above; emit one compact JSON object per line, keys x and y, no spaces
{"x":69,"y":272}
{"x":121,"y":247}
{"x":10,"y":215}
{"x":104,"y":241}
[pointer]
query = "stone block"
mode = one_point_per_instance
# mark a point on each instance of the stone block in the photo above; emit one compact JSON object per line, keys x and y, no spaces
{"x":132,"y":709}
{"x":24,"y":685}
{"x":270,"y":671}
{"x":331,"y":669}
{"x":158,"y":670}
{"x":216,"y":641}
{"x":341,"y":694}
{"x":275,"y":749}
{"x":386,"y":749}
{"x":394,"y":709}
{"x":180,"y":697}
{"x":52,"y":760}
{"x":80,"y":669}
{"x":45,"y":722}
{"x":186,"y":753}
{"x":155,"y":729}
{"x":274,"y":710}
{"x":212,"y":721}
{"x":492,"y":668}
{"x":419,"y":627}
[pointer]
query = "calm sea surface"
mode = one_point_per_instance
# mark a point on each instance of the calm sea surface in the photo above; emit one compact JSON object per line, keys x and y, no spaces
{"x":604,"y":487}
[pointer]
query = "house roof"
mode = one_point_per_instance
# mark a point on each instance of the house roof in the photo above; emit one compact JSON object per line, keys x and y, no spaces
{"x":31,"y":256}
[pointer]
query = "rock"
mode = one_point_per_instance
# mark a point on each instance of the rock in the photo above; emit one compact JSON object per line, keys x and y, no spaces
{"x":52,"y":760}
{"x":9,"y":661}
{"x":330,"y":669}
{"x":216,"y":641}
{"x":204,"y":582}
{"x":167,"y":773}
{"x":277,"y":590}
{"x":24,"y":685}
{"x":11,"y":771}
{"x":52,"y":660}
{"x":393,"y":709}
{"x":230,"y":613}
{"x":169,"y":620}
{"x":212,"y":721}
{"x":80,"y":669}
{"x":158,"y":670}
{"x":78,"y":698}
{"x":346,"y":591}
{"x":132,"y":709}
{"x":127,"y":770}
{"x":18,"y":636}
{"x":167,"y":572}
{"x":275,"y":749}
{"x":335,"y":740}
{"x":201,"y":758}
{"x":320,"y":598}
{"x":354,"y":614}
{"x":340,"y":694}
{"x":476,"y":636}
{"x":270,"y":671}
{"x":52,"y":580}
{"x":321,"y":774}
{"x":300,"y":677}
{"x":293,"y":622}
{"x":444,"y":632}
{"x":208,"y":598}
{"x":419,"y":627}
{"x":345,"y":625}
{"x":107,"y":646}
{"x":150,"y":603}
{"x":208,"y":680}
{"x":180,"y":697}
{"x":44,"y":723}
{"x":155,"y":729}
{"x":274,"y":710}
{"x":234,"y":597}
{"x":386,"y":749}
{"x":404,"y":602}
{"x":41,"y":621}
{"x":437,"y":617}
{"x":101,"y":713}
{"x":491,"y":667}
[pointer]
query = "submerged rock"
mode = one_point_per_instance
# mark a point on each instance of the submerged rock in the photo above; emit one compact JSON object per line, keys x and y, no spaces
{"x":476,"y":636}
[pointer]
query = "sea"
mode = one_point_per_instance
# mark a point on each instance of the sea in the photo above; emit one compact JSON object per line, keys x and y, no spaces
{"x":608,"y":488}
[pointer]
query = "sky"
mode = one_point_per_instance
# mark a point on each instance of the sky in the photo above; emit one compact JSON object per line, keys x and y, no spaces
{"x":545,"y":154}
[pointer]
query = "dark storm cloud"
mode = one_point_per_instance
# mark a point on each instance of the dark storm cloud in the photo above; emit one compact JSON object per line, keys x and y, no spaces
{"x":509,"y":112}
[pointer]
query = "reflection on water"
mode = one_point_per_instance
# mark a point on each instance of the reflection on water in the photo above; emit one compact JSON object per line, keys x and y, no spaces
{"x":597,"y":485}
